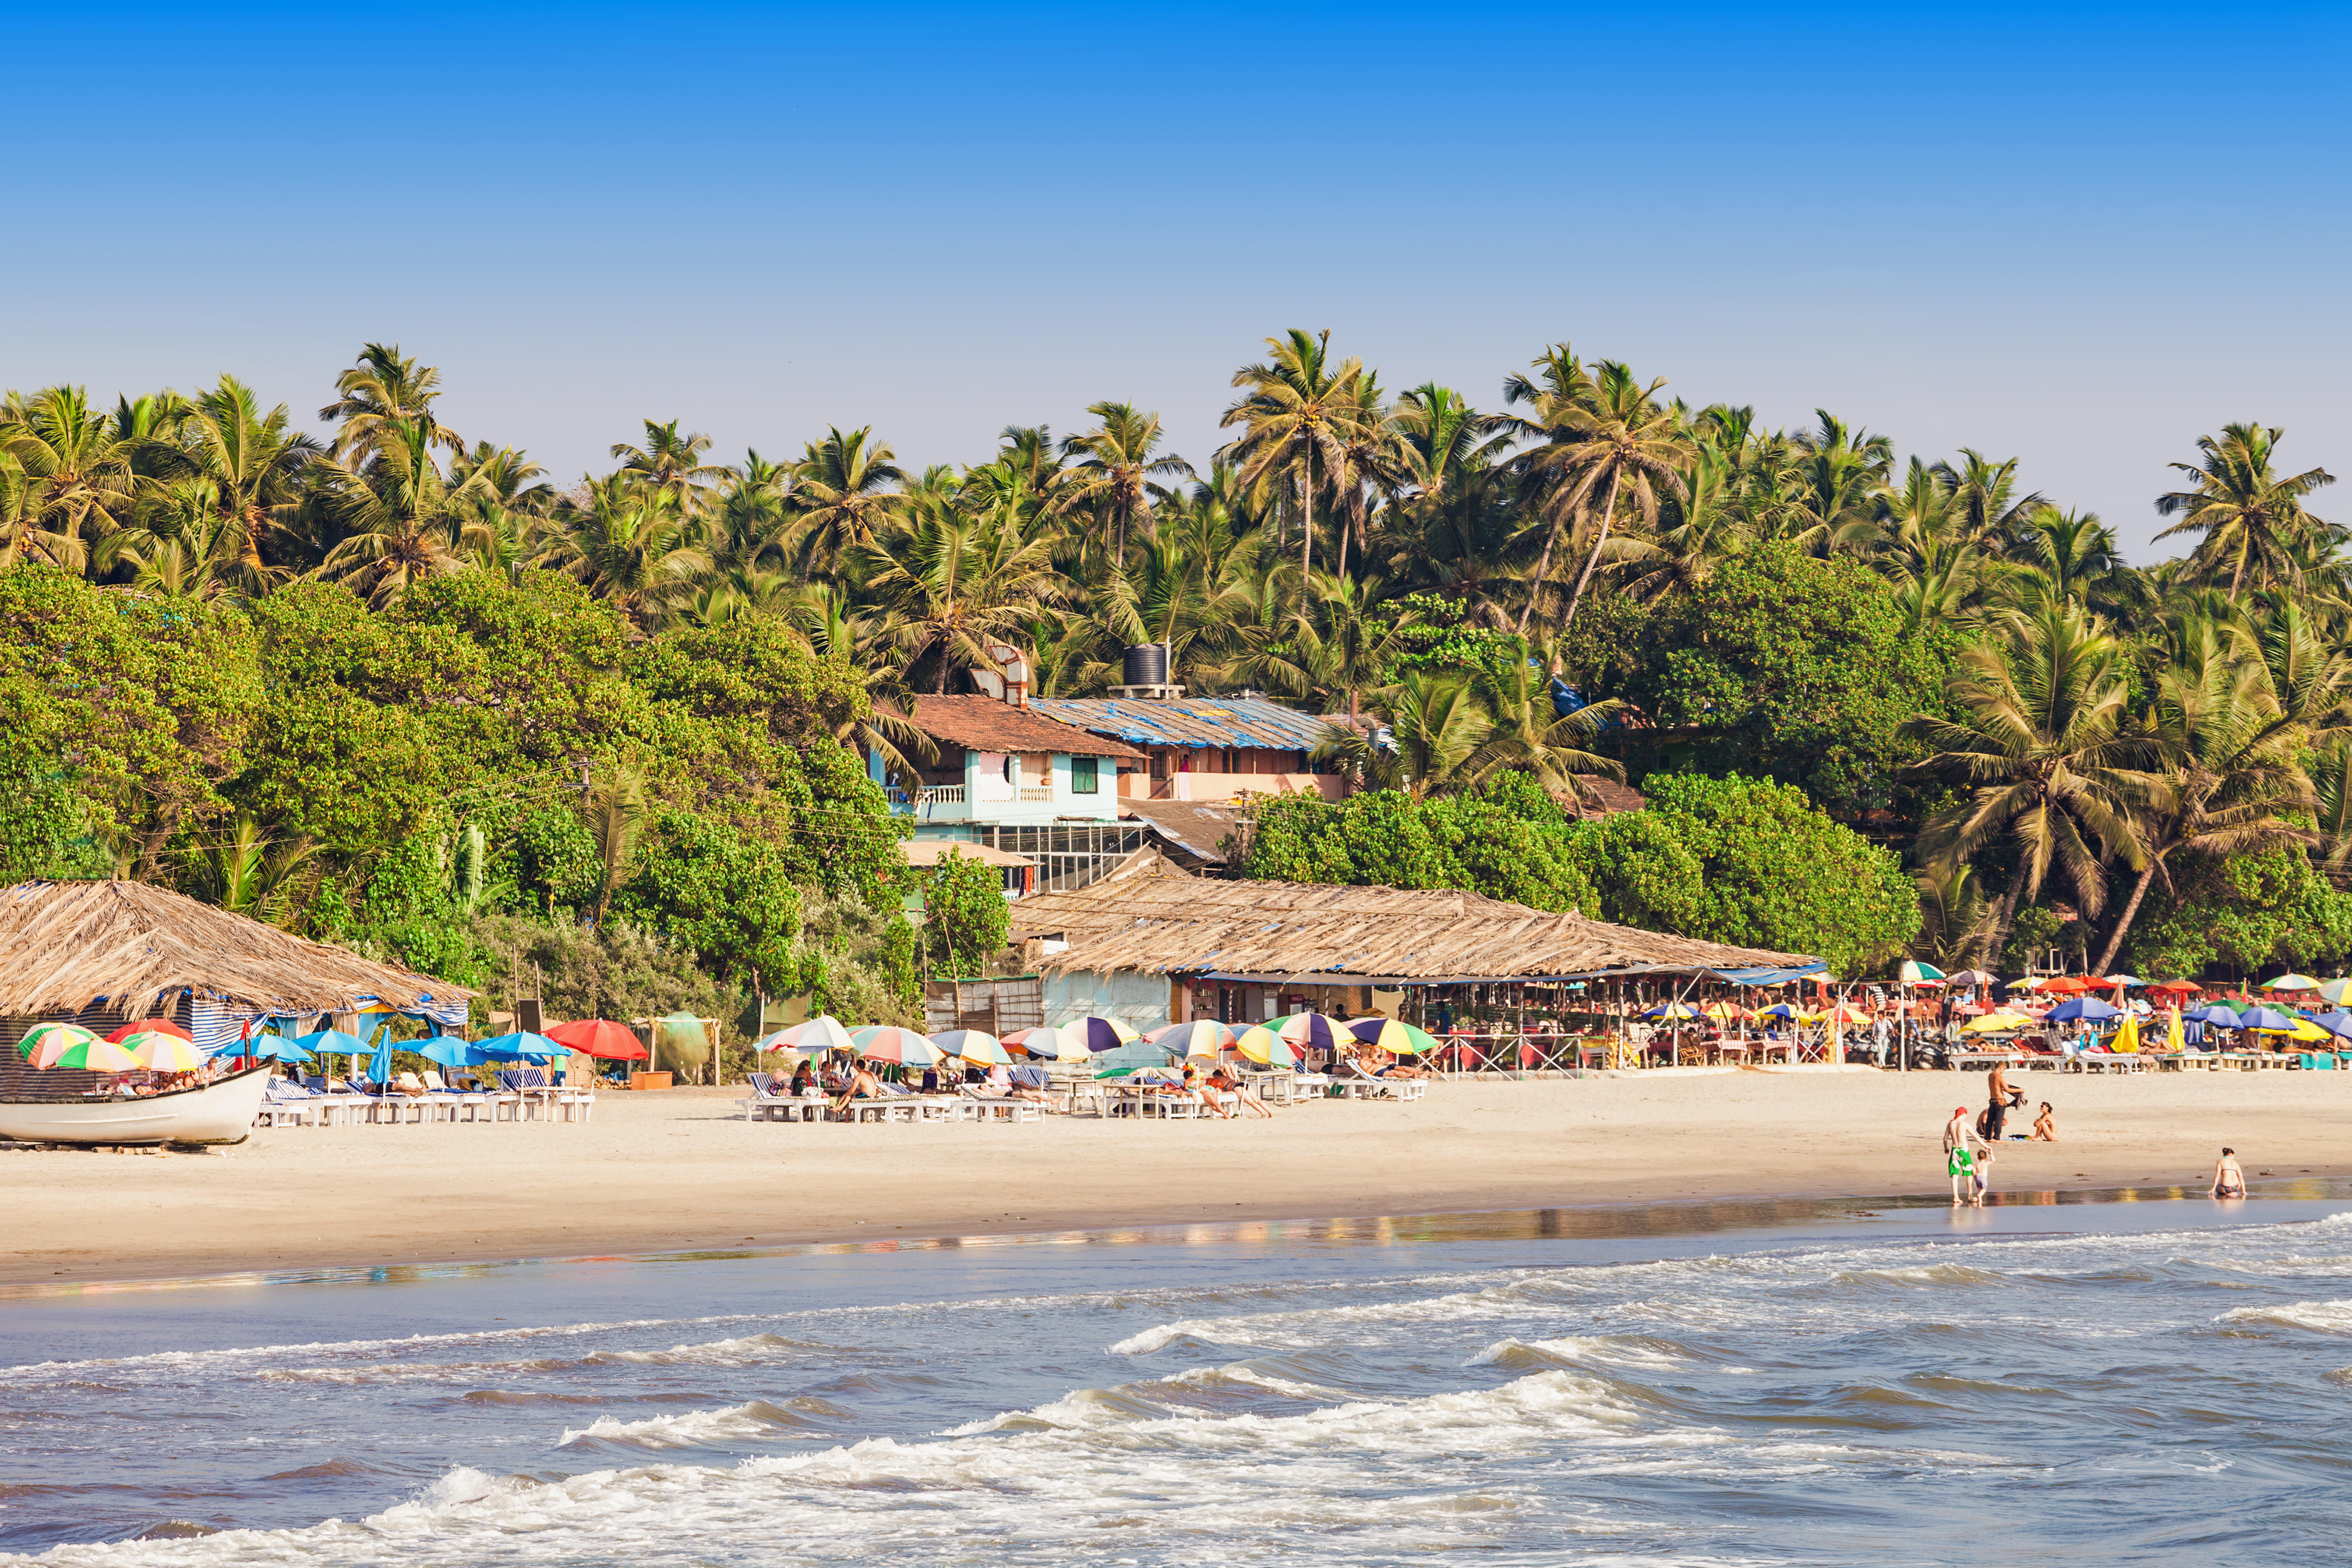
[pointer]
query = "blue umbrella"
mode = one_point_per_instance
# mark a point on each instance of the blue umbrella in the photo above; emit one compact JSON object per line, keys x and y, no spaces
{"x":332,"y":1042}
{"x":269,"y":1048}
{"x":2216,"y":1017}
{"x":450,"y":1052}
{"x":2266,"y":1018}
{"x":520,"y":1047}
{"x":2086,"y":1007}
{"x":2337,"y":1023}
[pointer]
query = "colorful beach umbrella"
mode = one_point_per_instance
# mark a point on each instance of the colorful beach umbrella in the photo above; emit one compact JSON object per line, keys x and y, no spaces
{"x":61,"y":1034}
{"x":1040,"y":1042}
{"x":1388,"y":1035}
{"x":1092,"y":1033}
{"x":1914,"y":973}
{"x":1308,"y":1029}
{"x":889,"y":1043}
{"x":160,"y":1052}
{"x":2335,"y":989}
{"x":1777,"y":1010}
{"x":602,"y":1037}
{"x":2292,"y":983}
{"x":1262,"y":1045}
{"x":1993,"y":1023}
{"x":93,"y":1054}
{"x":2177,"y":987}
{"x":2269,"y":1020}
{"x":143,"y":1026}
{"x":1200,"y":1037}
{"x":1971,"y":977}
{"x":1671,"y":1010}
{"x":2087,"y":1008}
{"x":973,"y":1046}
{"x":821,"y":1033}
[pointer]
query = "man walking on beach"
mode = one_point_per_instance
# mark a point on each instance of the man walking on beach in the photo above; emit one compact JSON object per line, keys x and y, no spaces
{"x":1959,"y":1162}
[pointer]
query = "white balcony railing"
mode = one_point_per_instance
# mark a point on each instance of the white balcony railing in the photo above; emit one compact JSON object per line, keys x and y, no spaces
{"x":1036,"y":794}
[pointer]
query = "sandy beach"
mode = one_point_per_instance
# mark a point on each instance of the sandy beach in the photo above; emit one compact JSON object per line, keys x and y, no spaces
{"x":682,"y":1170}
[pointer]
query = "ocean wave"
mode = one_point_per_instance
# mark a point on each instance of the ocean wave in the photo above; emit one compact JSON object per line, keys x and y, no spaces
{"x":748,"y":1350}
{"x":1615,"y":1350}
{"x":700,"y":1429}
{"x":2322,"y":1316}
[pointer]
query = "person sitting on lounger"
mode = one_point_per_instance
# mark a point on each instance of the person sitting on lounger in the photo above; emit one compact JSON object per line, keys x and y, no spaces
{"x":1348,"y":1066}
{"x":860,"y":1085}
{"x":2045,"y":1130}
{"x":1228,"y":1082}
{"x":1200,"y":1090}
{"x":803,"y":1081}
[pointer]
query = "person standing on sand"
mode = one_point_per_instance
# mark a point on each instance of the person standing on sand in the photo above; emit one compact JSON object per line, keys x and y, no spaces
{"x":2000,"y":1096}
{"x":1959,"y":1164}
{"x":2229,"y":1182}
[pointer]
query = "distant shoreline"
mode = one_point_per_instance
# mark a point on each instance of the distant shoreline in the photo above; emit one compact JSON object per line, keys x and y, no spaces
{"x":677,"y":1172}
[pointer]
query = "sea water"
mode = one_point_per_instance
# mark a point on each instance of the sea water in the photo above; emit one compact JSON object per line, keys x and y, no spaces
{"x":2091,"y":1383}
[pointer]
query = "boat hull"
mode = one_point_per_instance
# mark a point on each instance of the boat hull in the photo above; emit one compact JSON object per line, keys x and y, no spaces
{"x":219,"y":1112}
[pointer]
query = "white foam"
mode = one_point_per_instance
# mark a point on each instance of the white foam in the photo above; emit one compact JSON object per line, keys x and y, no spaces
{"x":2323,"y":1316}
{"x":1609,"y":1349}
{"x":689,"y":1430}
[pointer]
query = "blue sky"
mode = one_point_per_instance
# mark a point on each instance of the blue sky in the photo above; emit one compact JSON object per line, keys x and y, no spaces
{"x":2080,"y":236}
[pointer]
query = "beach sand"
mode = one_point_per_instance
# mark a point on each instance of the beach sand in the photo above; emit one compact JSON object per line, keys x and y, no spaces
{"x":682,"y":1170}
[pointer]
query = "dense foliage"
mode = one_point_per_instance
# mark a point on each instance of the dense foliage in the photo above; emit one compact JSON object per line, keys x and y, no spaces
{"x":386,"y":681}
{"x":1729,"y":859}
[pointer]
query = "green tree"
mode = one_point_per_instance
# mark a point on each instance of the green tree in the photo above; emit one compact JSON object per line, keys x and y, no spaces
{"x":2253,"y":519}
{"x":728,"y":898}
{"x":965,"y":916}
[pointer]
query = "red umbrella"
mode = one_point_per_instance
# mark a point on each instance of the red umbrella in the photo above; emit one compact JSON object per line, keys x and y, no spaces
{"x":160,"y":1026}
{"x":2064,"y":985}
{"x":2184,"y":987}
{"x":597,"y":1037}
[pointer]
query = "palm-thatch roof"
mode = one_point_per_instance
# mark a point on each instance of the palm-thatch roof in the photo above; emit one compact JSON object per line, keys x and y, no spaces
{"x":63,"y":946}
{"x":1150,"y":915}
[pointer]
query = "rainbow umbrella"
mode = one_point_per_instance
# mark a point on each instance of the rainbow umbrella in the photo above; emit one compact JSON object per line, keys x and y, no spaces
{"x":1092,"y":1033}
{"x":821,"y":1033}
{"x":1262,"y":1044}
{"x":64,"y":1034}
{"x":1308,"y":1029}
{"x":973,"y":1046}
{"x":1040,"y":1042}
{"x":889,"y":1043}
{"x":160,"y":1052}
{"x":1200,"y":1037}
{"x":93,"y":1055}
{"x":1396,"y":1038}
{"x":2292,"y":983}
{"x":1676,"y":1011}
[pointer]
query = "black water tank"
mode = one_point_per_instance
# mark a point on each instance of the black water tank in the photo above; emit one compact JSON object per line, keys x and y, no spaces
{"x":1146,"y":664}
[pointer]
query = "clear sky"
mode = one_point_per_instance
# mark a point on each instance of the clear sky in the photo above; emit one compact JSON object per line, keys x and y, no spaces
{"x":2080,"y":235}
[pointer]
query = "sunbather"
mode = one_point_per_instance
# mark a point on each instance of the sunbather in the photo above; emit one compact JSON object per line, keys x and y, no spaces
{"x":2045,"y":1130}
{"x":1197,"y":1087}
{"x":1231,"y":1083}
{"x":861,"y":1085}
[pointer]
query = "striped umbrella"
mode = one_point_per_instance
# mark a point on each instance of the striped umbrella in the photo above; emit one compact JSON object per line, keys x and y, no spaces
{"x":821,"y":1033}
{"x":1308,"y":1029}
{"x":93,"y":1054}
{"x":160,"y":1052}
{"x":889,"y":1043}
{"x":1392,"y":1037}
{"x":1674,"y":1010}
{"x":1200,"y":1037}
{"x":1042,"y":1042}
{"x":62,"y":1035}
{"x":973,"y":1045}
{"x":145,"y":1025}
{"x":1262,"y":1045}
{"x":1094,"y":1033}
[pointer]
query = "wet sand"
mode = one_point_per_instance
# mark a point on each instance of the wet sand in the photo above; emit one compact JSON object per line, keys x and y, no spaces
{"x":682,"y":1170}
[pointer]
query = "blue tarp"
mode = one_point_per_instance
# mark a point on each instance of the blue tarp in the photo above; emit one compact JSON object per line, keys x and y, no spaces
{"x":1763,"y":977}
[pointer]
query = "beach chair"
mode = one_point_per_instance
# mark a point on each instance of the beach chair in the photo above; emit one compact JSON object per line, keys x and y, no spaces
{"x":287,"y":1104}
{"x":763,"y":1102}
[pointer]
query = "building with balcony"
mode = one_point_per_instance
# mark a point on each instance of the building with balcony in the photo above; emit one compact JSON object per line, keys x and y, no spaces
{"x":1205,"y":749}
{"x":1011,"y":778}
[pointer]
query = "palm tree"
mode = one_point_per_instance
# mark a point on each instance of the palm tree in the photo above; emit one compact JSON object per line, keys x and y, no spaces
{"x":403,"y":520}
{"x":386,"y":397}
{"x":2231,"y":762}
{"x":1986,"y":510}
{"x":630,"y":544}
{"x":957,"y":584}
{"x":2252,"y":518}
{"x":843,"y":487}
{"x":75,"y":474}
{"x":1296,"y":416}
{"x":252,"y":466}
{"x":1612,"y":437}
{"x":1437,"y":726}
{"x":1371,"y":464}
{"x":1843,"y":473}
{"x":2072,"y":557}
{"x":671,"y":461}
{"x":1116,"y":462}
{"x":2044,"y":745}
{"x":1532,"y":735}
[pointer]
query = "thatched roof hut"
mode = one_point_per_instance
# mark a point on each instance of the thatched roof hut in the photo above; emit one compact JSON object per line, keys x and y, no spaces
{"x":1150,"y":916}
{"x":66,"y":947}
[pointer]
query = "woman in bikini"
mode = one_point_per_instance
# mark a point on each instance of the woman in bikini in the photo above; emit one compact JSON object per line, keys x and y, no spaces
{"x":2229,"y":1182}
{"x":2045,"y":1129}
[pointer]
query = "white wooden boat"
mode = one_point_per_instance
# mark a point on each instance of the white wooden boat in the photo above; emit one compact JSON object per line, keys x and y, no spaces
{"x":217,"y":1112}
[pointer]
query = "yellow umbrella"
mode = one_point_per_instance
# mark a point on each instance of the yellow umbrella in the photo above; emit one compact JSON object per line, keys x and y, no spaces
{"x":2305,"y":1031}
{"x":160,"y":1052}
{"x":2126,"y":1040}
{"x":1262,"y":1045}
{"x":1992,"y":1023}
{"x":2175,"y":1038}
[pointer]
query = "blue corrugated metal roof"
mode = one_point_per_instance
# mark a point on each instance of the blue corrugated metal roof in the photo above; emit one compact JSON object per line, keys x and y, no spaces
{"x":1247,"y":722}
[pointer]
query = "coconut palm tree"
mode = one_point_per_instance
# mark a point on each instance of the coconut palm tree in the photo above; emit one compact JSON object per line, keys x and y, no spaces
{"x":1117,"y":460}
{"x":251,"y":466}
{"x":955,"y":583}
{"x":1532,"y":735}
{"x":1436,"y":725}
{"x":386,"y":398}
{"x":1296,"y":415}
{"x":2231,"y":762}
{"x":843,"y":488}
{"x":1843,"y":474}
{"x":673,"y":461}
{"x":630,"y":544}
{"x":1611,"y":438}
{"x":2252,"y":521}
{"x":403,"y":520}
{"x":2044,"y":745}
{"x":74,"y":472}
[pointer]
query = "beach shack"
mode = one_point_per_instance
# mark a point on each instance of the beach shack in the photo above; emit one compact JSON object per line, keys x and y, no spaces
{"x":102,"y":954}
{"x":1151,"y":945}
